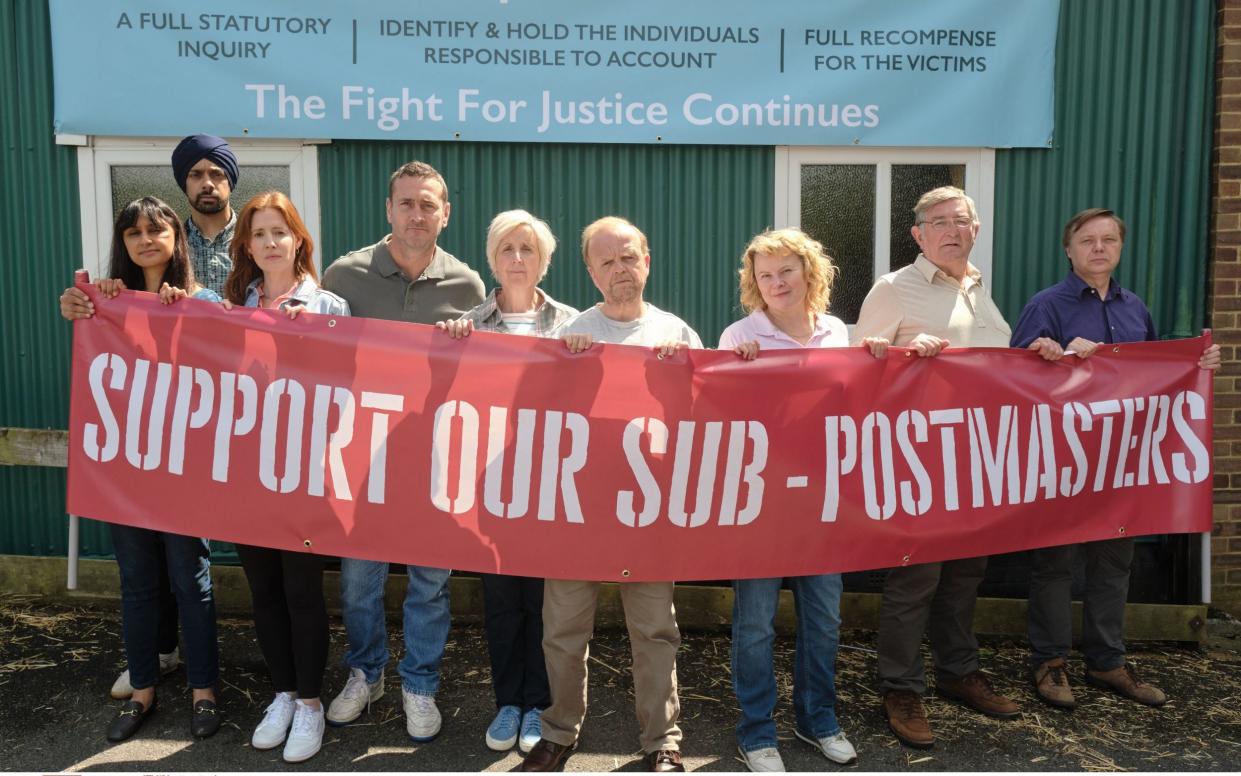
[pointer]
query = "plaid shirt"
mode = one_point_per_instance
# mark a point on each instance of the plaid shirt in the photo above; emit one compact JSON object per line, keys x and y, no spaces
{"x":210,"y":257}
{"x":487,"y":316}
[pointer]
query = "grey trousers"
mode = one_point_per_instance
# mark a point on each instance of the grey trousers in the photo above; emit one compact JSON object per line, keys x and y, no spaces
{"x":943,"y":593}
{"x":1050,"y":616}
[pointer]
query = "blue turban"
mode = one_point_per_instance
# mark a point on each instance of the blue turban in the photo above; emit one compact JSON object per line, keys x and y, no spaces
{"x":195,"y":148}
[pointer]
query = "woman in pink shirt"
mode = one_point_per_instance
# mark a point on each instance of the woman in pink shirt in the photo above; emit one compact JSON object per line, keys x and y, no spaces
{"x":786,"y":282}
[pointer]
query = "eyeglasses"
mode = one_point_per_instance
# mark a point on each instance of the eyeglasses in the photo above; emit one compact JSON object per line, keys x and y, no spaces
{"x":940,"y":224}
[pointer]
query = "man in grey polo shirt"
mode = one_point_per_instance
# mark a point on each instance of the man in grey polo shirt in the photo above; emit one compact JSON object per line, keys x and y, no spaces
{"x":405,"y":276}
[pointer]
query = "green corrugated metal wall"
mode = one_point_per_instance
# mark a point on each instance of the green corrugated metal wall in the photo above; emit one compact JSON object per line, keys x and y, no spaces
{"x":1133,"y":120}
{"x":1134,"y":114}
{"x":40,"y":245}
{"x":698,"y":205}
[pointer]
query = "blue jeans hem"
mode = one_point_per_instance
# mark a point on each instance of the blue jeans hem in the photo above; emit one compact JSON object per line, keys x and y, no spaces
{"x":817,"y":736}
{"x":372,"y":674}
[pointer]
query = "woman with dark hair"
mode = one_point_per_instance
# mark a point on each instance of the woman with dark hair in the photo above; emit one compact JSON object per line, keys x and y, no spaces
{"x":149,"y":253}
{"x":273,"y":269}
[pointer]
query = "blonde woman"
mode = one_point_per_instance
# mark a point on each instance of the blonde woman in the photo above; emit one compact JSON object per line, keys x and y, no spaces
{"x":519,"y":251}
{"x":786,"y":283}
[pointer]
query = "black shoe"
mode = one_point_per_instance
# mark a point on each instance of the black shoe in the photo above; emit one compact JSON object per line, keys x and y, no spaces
{"x":546,"y":756}
{"x":128,"y":720}
{"x":205,"y":720}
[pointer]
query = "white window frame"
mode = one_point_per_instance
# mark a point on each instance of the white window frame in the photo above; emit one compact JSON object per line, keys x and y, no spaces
{"x":979,"y":184}
{"x":97,"y":155}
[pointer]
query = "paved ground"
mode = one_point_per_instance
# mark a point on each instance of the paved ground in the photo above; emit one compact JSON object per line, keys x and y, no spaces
{"x":57,"y":663}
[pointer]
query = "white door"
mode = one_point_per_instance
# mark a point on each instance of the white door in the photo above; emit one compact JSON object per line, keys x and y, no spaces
{"x":859,"y":203}
{"x":113,"y":171}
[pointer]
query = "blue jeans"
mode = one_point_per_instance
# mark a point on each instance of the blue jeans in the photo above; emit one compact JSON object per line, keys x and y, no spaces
{"x":139,"y":552}
{"x":426,"y":622}
{"x":817,"y":600}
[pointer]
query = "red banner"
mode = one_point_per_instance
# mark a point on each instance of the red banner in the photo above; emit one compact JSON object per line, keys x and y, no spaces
{"x":392,"y":441}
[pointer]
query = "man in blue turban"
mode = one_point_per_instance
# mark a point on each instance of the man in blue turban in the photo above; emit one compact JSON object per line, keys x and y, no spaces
{"x":206,"y":170}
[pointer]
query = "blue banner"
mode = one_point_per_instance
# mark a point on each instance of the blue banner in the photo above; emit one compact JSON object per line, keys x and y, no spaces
{"x":788,"y":72}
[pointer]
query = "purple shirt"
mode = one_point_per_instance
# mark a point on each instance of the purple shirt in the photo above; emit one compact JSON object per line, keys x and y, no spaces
{"x":1072,"y":308}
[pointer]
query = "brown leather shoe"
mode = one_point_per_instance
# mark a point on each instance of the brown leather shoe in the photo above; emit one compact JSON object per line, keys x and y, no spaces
{"x":974,"y":690}
{"x":1051,"y":683}
{"x":907,"y":719}
{"x":664,"y":761}
{"x":1124,"y":681}
{"x":546,"y":756}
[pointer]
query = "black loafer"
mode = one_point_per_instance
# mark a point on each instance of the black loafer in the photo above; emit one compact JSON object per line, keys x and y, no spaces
{"x":205,"y":720}
{"x":128,"y":720}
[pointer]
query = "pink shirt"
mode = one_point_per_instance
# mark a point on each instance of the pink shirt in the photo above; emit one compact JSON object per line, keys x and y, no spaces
{"x":829,"y":332}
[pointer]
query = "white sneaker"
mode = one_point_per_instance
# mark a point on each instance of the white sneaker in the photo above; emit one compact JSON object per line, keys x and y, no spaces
{"x":422,"y":716}
{"x":356,"y":698}
{"x":122,"y":689}
{"x":275,"y":725}
{"x":306,"y":735}
{"x":763,"y":760}
{"x":835,"y":748}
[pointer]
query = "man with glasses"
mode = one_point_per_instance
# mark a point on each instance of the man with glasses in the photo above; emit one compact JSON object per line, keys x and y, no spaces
{"x":937,"y":301}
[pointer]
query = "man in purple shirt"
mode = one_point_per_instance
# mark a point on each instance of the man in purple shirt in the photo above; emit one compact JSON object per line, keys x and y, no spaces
{"x":1085,"y":310}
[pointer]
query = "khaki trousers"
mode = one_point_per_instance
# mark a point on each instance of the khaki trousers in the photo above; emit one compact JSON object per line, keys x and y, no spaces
{"x":568,"y":624}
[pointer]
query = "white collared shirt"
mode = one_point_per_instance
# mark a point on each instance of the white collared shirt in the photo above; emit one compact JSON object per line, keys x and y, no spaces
{"x":922,"y":298}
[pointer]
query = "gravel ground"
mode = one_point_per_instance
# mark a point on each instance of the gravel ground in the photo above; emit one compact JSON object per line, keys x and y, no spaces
{"x":57,"y":663}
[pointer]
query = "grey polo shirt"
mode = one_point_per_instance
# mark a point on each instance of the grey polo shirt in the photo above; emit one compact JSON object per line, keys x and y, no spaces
{"x":374,"y":286}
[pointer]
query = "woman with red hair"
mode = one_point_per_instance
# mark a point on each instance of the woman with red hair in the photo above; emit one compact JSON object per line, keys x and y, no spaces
{"x":273,"y":269}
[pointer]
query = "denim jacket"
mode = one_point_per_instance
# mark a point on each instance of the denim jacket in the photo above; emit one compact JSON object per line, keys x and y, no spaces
{"x":307,"y":292}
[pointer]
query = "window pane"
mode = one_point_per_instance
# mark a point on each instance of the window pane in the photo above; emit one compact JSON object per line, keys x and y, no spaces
{"x":129,"y":182}
{"x":909,"y":182}
{"x":838,"y":210}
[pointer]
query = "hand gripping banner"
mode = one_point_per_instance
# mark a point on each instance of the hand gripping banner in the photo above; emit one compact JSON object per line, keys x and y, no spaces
{"x":498,"y":453}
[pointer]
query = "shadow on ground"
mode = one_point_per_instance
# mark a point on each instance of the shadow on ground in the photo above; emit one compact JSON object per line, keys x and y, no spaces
{"x":57,"y":663}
